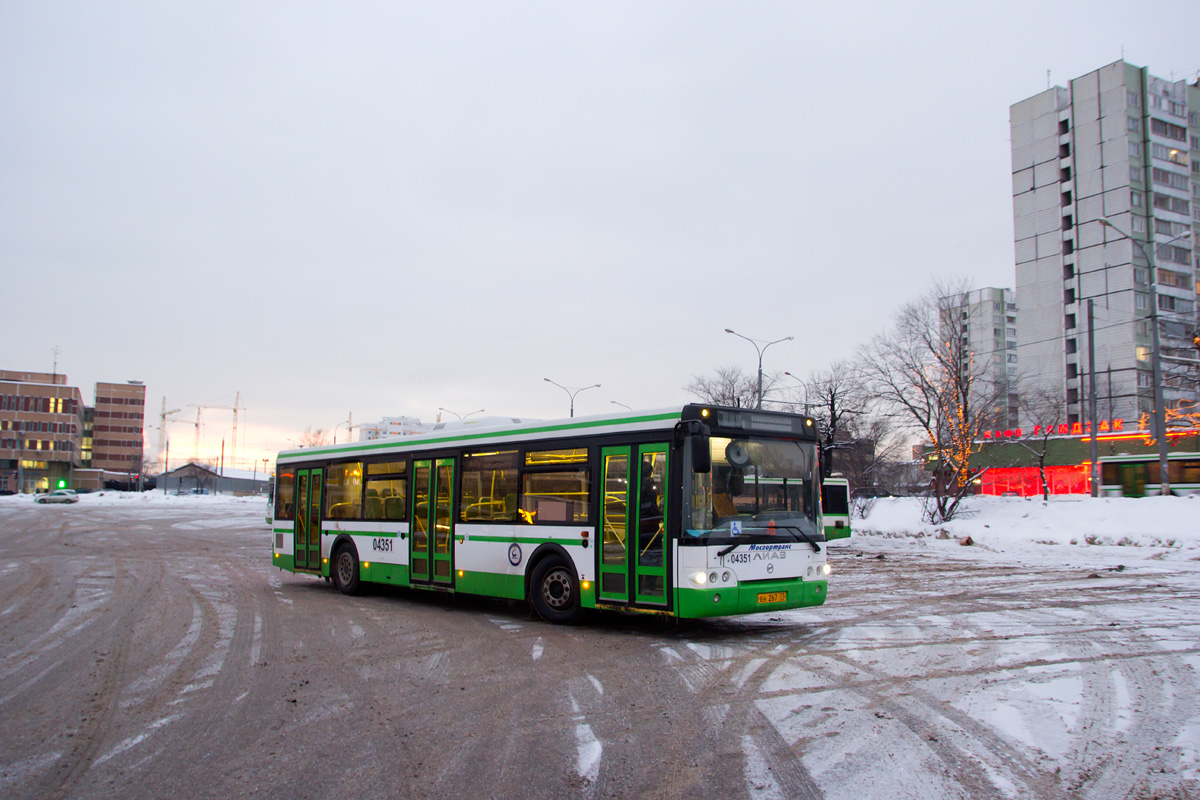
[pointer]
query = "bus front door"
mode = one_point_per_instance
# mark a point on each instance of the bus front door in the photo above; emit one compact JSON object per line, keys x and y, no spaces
{"x":308,"y":519}
{"x":633,"y":538}
{"x":432,"y":529}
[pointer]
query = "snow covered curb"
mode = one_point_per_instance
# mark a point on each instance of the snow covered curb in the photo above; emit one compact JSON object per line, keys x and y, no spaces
{"x":155,"y":498}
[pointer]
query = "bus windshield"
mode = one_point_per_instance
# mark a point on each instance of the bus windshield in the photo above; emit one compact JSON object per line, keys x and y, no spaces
{"x":758,"y":490}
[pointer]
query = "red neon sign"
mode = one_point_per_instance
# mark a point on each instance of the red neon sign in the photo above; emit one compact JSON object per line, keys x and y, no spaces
{"x":1060,"y":429}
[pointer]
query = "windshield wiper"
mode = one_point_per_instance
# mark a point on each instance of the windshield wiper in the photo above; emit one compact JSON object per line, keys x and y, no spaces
{"x":816,"y":548}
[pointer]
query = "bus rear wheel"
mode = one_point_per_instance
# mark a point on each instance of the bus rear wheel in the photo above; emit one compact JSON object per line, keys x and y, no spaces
{"x":556,"y":591}
{"x":345,"y":569}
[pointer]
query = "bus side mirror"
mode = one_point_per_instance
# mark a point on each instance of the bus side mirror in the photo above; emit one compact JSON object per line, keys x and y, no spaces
{"x":697,"y":432}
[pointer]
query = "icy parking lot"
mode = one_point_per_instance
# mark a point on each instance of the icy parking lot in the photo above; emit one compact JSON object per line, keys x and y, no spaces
{"x":147,"y":648}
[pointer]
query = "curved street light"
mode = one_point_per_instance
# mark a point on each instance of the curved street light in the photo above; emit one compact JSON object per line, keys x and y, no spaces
{"x":1160,"y":413}
{"x":803,"y":385}
{"x":622,"y":405}
{"x":571,"y":392}
{"x":760,"y":350}
{"x":461,"y":416}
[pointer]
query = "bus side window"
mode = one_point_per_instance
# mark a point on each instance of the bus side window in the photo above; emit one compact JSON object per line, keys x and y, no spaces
{"x":343,"y":490}
{"x":285,"y":488}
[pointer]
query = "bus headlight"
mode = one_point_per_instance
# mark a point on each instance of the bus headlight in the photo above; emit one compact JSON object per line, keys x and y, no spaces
{"x":699,"y":577}
{"x":826,"y":568}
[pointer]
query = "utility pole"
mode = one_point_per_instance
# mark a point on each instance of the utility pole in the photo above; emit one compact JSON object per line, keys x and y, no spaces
{"x":1159,"y":424}
{"x":1093,"y":449}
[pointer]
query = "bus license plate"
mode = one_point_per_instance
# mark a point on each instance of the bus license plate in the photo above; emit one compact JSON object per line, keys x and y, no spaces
{"x":771,"y":597}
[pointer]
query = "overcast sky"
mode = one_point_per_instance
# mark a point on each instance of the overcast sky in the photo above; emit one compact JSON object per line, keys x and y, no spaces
{"x":383,"y":207}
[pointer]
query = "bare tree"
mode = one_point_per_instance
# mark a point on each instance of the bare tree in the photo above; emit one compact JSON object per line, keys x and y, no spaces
{"x":835,"y":397}
{"x":727,"y":386}
{"x":924,"y":371}
{"x":199,"y":472}
{"x":876,"y":443}
{"x":1047,"y":408}
{"x":314,"y":438}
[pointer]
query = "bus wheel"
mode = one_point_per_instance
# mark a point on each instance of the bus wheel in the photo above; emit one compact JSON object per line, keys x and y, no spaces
{"x":555,"y":591}
{"x":345,"y":570}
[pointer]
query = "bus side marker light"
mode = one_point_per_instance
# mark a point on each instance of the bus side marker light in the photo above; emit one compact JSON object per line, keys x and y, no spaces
{"x":461,"y":573}
{"x":326,"y":560}
{"x":587,"y":585}
{"x":366,"y":564}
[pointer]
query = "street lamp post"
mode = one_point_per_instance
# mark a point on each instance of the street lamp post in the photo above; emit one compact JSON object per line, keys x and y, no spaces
{"x":622,"y":405}
{"x":571,"y":393}
{"x":1160,"y":412}
{"x":760,"y":350}
{"x":21,"y":460}
{"x":805,"y":387}
{"x":349,"y":422}
{"x":461,"y":416}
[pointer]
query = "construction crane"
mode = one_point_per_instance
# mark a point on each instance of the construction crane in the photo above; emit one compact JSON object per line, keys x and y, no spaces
{"x":237,"y":401}
{"x":162,"y":431}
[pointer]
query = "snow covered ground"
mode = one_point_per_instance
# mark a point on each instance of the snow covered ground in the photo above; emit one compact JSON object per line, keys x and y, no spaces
{"x":1056,"y":656}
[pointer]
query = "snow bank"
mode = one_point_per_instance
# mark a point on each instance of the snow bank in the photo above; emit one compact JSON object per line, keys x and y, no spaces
{"x":1008,"y":522}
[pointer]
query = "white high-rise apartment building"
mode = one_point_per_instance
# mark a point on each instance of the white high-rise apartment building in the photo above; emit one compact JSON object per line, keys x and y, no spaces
{"x":1122,"y":145}
{"x":393,"y":426}
{"x":986,"y":322}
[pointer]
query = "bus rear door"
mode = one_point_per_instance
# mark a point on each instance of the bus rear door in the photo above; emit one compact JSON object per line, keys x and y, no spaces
{"x":432,"y":530}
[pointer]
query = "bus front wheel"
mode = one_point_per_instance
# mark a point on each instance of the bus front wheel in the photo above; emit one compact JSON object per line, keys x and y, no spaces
{"x":345,"y":570}
{"x":556,"y":591}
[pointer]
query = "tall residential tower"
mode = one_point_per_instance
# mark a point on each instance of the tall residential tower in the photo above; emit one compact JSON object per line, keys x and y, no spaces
{"x":987,"y":324}
{"x":1121,"y":145}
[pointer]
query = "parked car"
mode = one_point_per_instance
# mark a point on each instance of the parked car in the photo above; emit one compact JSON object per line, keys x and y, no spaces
{"x":58,"y":496}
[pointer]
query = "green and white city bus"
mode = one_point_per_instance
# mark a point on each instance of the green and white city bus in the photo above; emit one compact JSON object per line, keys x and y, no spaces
{"x":693,"y":512}
{"x":835,"y":507}
{"x":1139,"y":476}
